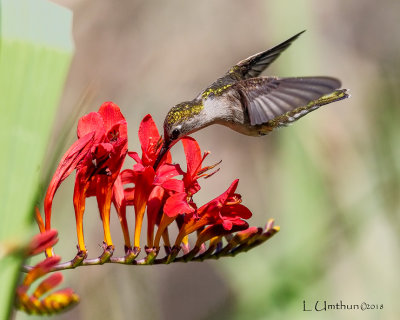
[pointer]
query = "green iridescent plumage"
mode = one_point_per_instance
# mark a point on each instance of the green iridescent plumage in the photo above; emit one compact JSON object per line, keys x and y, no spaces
{"x":216,"y":91}
{"x":183,"y":111}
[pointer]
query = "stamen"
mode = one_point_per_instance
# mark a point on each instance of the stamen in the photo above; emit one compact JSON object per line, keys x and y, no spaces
{"x":235,"y":199}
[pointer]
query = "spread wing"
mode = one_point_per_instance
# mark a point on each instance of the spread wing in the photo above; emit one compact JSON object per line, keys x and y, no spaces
{"x":285,"y":100}
{"x":254,"y":65}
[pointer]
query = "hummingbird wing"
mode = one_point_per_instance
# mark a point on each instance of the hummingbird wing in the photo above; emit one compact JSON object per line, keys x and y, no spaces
{"x":254,"y":65}
{"x":279,"y":101}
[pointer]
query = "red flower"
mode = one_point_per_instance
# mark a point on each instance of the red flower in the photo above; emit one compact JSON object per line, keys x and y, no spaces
{"x":224,"y":210}
{"x":194,"y":161}
{"x":182,"y":191}
{"x":146,"y":179}
{"x":97,"y":156}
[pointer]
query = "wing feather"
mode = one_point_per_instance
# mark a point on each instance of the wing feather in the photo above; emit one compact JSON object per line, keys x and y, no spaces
{"x":268,"y":98}
{"x":253,"y":66}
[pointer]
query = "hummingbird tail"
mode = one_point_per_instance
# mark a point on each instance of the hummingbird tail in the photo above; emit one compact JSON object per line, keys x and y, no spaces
{"x":336,"y":95}
{"x":295,"y":114}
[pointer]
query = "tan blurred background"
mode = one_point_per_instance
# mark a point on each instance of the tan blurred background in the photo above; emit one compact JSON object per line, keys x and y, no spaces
{"x":331,"y":181}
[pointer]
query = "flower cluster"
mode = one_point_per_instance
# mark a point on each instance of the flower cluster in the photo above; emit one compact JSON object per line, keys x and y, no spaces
{"x":97,"y":156}
{"x":163,"y":191}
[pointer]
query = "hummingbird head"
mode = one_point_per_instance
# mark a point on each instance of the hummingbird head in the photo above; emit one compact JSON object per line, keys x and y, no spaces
{"x":180,"y":121}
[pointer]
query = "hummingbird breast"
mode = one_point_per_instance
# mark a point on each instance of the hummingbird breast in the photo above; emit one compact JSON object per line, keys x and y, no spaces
{"x":227,"y":110}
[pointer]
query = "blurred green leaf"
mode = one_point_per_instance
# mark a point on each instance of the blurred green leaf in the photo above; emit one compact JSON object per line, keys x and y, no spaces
{"x":31,"y":80}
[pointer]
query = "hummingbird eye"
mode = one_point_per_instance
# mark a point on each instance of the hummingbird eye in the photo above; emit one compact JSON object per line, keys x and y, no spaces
{"x":175,"y":134}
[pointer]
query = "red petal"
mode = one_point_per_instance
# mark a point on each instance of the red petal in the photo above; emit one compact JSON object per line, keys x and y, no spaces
{"x":220,"y":200}
{"x":194,"y":188}
{"x":213,"y":207}
{"x":232,"y":188}
{"x":129,"y":196}
{"x":144,"y":181}
{"x":138,"y":168}
{"x":135,"y":156}
{"x":227,"y":224}
{"x":68,"y":163}
{"x":167,"y":171}
{"x":118,"y":131}
{"x":73,"y":156}
{"x":117,"y":157}
{"x":90,"y":187}
{"x":44,"y":240}
{"x":41,"y":269}
{"x":101,"y":150}
{"x":128,"y":176}
{"x":155,"y":202}
{"x":193,"y":155}
{"x":237,"y":210}
{"x":176,"y":204}
{"x":148,"y":132}
{"x":174,"y":185}
{"x":118,"y":193}
{"x":168,"y":158}
{"x":47,"y":284}
{"x":111,"y":114}
{"x":91,"y":122}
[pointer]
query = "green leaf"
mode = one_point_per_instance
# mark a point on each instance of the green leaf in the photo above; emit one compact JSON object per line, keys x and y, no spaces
{"x":31,"y":81}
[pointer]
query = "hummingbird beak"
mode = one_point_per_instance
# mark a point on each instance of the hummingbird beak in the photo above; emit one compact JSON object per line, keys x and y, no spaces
{"x":164,"y":149}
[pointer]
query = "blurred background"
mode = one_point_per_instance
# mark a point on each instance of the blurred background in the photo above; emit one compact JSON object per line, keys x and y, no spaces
{"x":331,"y":181}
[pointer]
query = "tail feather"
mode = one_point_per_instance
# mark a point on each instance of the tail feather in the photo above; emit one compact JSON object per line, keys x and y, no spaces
{"x":332,"y":97}
{"x":294,"y":115}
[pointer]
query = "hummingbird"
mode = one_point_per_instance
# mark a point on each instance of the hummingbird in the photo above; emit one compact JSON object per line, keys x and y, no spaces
{"x":248,"y":103}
